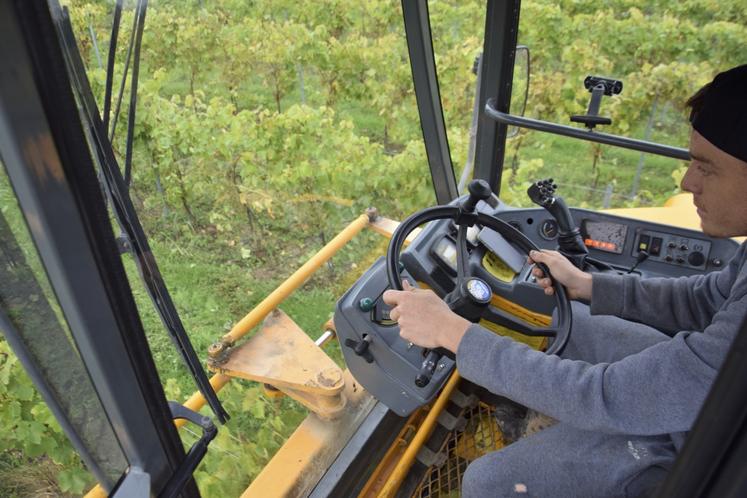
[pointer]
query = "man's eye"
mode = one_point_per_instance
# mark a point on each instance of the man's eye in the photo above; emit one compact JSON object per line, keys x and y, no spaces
{"x":703,"y":169}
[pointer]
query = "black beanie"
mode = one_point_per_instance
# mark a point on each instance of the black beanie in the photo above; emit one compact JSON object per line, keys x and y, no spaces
{"x":721,"y":117}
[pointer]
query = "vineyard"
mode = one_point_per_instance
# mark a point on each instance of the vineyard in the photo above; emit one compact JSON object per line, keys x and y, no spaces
{"x":263,"y":127}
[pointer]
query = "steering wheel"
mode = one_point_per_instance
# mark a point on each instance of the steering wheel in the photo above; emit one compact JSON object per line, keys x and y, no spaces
{"x":471,"y":295}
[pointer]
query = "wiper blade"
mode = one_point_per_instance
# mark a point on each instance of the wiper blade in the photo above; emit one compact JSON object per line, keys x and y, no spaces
{"x":128,"y":220}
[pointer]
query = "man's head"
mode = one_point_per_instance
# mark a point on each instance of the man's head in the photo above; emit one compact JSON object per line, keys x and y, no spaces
{"x":717,"y":175}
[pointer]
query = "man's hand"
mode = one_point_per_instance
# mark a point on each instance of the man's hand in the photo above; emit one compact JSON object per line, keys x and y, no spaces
{"x":424,"y":319}
{"x":576,"y":282}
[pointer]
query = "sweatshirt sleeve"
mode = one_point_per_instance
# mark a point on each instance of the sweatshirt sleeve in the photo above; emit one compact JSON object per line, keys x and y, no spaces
{"x":668,"y":304}
{"x":657,"y":391}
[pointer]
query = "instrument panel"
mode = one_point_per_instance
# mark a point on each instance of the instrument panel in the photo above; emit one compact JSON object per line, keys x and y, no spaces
{"x":619,"y":241}
{"x":386,"y":365}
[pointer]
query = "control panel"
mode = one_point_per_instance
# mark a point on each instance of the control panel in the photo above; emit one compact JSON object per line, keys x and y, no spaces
{"x":619,"y":241}
{"x":675,"y":249}
{"x":379,"y":359}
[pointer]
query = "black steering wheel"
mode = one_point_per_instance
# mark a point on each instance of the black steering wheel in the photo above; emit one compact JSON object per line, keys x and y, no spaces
{"x":471,"y":295}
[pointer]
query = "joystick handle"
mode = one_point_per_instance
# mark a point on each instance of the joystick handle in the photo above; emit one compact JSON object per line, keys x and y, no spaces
{"x":570,"y":243}
{"x":542,"y":192}
{"x":479,"y":190}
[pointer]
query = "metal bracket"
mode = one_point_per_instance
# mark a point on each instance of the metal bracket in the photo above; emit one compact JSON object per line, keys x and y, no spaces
{"x":123,"y":243}
{"x":592,"y":136}
{"x":282,"y":355}
{"x":450,"y":422}
{"x":136,"y":484}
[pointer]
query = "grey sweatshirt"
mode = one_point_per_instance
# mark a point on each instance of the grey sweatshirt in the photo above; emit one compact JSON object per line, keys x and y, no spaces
{"x":656,"y":391}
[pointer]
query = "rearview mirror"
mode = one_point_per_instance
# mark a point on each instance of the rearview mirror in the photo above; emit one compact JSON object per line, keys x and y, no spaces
{"x":520,"y":86}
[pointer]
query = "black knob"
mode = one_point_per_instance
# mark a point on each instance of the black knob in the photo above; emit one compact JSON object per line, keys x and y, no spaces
{"x":696,"y":258}
{"x":479,"y":190}
{"x":361,"y":347}
{"x":427,"y":368}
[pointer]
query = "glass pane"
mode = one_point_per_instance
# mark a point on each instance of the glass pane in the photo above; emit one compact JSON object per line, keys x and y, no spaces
{"x":457,"y":29}
{"x":662,"y":53}
{"x":31,"y":308}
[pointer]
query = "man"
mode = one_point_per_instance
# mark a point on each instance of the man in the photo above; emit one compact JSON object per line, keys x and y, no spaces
{"x":624,"y":394}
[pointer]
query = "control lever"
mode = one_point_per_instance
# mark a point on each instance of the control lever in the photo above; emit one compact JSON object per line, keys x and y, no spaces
{"x":570,"y":243}
{"x":642,"y":256}
{"x":428,"y":367}
{"x":361,"y":347}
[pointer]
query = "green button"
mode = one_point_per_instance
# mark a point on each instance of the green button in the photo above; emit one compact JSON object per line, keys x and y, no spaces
{"x":366,"y":304}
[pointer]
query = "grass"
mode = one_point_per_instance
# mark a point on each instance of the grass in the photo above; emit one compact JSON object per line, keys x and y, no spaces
{"x":211,"y":294}
{"x":21,"y":477}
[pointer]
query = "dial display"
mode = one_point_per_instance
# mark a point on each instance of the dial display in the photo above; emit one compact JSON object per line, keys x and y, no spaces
{"x":604,"y":235}
{"x":548,"y":230}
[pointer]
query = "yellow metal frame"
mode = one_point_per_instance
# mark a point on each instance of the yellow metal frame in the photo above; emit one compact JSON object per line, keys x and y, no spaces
{"x":388,"y":463}
{"x":291,"y":284}
{"x":400,"y":471}
{"x":310,"y":450}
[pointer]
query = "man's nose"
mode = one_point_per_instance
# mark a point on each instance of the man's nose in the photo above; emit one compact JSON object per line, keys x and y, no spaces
{"x":689,"y":182}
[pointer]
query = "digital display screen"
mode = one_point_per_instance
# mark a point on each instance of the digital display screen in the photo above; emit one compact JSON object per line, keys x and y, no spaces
{"x":604,"y":235}
{"x":447,"y":252}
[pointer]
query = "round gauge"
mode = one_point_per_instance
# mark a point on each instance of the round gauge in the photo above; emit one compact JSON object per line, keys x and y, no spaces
{"x":548,"y":229}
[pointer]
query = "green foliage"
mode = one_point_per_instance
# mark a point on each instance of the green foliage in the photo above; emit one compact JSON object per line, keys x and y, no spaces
{"x":264,"y":127}
{"x":29,"y":429}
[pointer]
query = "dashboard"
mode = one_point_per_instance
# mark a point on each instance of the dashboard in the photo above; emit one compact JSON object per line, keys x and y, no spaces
{"x":619,"y":241}
{"x":387,"y":366}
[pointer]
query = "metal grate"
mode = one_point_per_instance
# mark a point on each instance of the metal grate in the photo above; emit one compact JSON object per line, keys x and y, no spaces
{"x":481,"y":435}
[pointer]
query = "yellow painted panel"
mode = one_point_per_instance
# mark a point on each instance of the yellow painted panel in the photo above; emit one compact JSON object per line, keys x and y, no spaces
{"x":533,"y":342}
{"x":310,"y":450}
{"x":496,"y":267}
{"x":678,"y":211}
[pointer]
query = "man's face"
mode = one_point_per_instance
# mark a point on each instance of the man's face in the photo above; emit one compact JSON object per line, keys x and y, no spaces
{"x":718,"y":182}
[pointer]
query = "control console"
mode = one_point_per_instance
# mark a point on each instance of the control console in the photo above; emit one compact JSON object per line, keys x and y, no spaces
{"x":389,"y":367}
{"x":376,"y":355}
{"x":676,"y":249}
{"x":619,"y":241}
{"x":392,"y":369}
